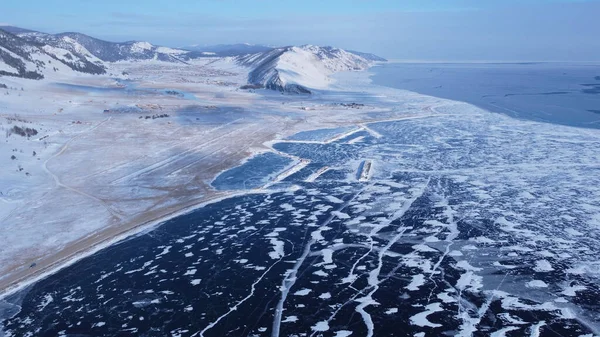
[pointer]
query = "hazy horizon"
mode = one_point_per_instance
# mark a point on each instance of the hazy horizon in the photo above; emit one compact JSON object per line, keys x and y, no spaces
{"x":461,"y":31}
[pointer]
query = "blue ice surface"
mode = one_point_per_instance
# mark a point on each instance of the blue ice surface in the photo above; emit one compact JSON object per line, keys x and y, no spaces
{"x":320,"y":134}
{"x":560,"y":93}
{"x":128,"y":88}
{"x":352,"y":136}
{"x":304,"y":173}
{"x":89,"y":88}
{"x":254,"y":173}
{"x":323,"y":154}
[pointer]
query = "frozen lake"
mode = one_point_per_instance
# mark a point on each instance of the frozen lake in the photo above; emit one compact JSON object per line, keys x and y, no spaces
{"x":550,"y":92}
{"x":470,"y":222}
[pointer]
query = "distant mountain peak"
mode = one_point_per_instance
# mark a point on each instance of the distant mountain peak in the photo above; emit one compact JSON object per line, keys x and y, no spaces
{"x":227,"y":50}
{"x":106,"y":51}
{"x":368,"y":56}
{"x":16,"y":30}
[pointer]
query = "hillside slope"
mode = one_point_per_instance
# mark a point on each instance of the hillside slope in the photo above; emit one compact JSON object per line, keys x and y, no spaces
{"x":96,"y":50}
{"x":21,"y":58}
{"x":299,"y":69}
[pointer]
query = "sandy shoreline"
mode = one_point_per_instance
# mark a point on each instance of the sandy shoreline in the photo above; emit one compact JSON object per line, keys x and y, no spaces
{"x":94,"y":243}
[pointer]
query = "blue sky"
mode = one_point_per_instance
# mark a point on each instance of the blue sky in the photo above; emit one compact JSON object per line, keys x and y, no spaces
{"x":458,"y":30}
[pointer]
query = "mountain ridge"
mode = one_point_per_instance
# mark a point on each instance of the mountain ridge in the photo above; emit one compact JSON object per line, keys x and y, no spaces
{"x":22,"y":58}
{"x":289,"y":69}
{"x":226,"y":50}
{"x":108,"y":51}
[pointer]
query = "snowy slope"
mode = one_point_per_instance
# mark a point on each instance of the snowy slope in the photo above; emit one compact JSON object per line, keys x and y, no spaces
{"x":76,"y":56}
{"x":296,"y":69}
{"x":20,"y":58}
{"x":96,"y":50}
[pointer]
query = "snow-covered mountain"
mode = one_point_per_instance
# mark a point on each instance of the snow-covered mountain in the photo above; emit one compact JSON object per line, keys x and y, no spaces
{"x":23,"y":58}
{"x":98,"y":50}
{"x":297,"y":69}
{"x":27,"y":53}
